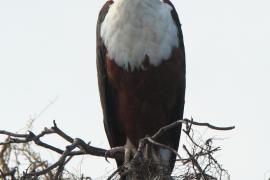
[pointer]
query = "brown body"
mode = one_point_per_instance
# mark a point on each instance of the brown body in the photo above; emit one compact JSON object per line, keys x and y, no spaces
{"x":146,"y":97}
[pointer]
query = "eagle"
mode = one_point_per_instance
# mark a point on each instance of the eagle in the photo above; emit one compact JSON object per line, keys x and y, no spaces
{"x":141,"y":74}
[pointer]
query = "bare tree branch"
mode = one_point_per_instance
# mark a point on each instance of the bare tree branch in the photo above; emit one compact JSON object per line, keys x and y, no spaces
{"x":78,"y":147}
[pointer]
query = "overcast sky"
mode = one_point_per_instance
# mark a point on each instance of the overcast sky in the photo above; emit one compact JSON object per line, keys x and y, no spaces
{"x":47,"y":54}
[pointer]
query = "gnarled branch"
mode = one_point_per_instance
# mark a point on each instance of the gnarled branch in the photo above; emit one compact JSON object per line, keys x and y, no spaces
{"x":84,"y":148}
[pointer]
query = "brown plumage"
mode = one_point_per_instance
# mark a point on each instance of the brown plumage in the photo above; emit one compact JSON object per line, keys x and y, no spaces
{"x":138,"y":103}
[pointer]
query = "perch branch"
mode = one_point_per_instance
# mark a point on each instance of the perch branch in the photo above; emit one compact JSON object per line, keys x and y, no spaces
{"x":78,"y":147}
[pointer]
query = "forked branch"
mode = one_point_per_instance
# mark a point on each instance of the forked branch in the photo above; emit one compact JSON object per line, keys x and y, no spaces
{"x":78,"y":147}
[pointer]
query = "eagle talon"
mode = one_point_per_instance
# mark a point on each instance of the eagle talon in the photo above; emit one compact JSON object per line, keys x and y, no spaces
{"x":106,"y":156}
{"x":113,"y":151}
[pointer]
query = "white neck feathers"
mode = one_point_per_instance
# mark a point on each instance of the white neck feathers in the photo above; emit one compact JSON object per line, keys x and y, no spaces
{"x":133,"y":29}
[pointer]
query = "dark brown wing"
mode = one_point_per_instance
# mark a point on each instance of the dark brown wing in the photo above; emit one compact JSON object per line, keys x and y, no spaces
{"x":179,"y":106}
{"x":115,"y":135}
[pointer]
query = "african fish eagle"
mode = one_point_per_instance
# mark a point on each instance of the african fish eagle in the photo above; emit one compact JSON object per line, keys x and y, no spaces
{"x":141,"y":73}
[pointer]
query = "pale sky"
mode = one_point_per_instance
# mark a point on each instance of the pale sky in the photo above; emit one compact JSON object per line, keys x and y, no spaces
{"x":47,"y":51}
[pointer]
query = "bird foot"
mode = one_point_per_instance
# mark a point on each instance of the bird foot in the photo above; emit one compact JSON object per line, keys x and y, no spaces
{"x":128,"y":149}
{"x":113,"y":151}
{"x":129,"y":154}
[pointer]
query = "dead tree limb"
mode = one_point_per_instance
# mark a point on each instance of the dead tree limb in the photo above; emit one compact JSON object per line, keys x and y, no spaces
{"x":78,"y":147}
